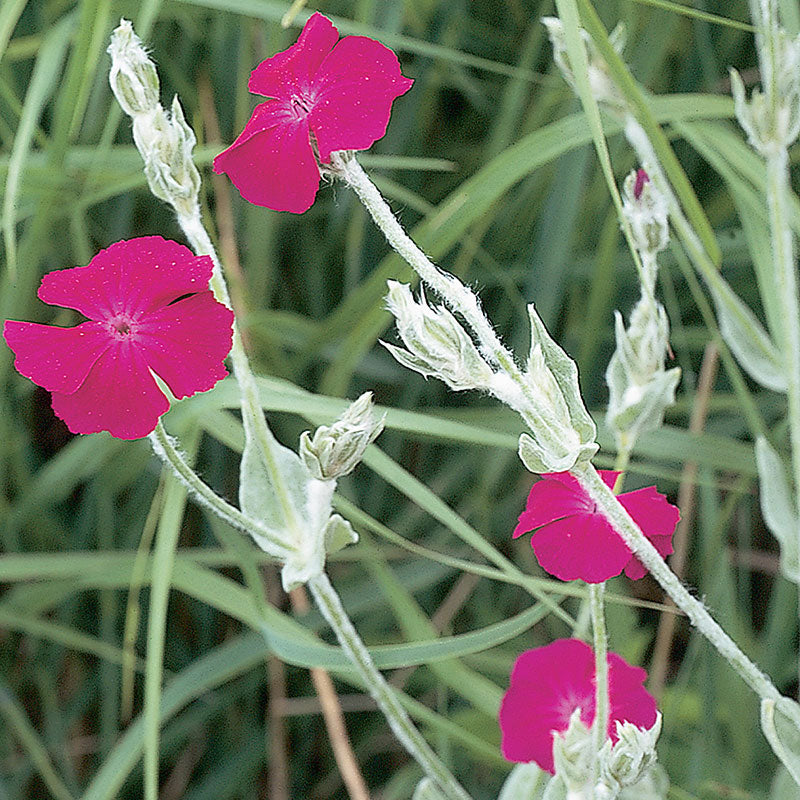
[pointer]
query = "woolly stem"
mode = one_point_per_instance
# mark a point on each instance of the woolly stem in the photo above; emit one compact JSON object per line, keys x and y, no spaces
{"x":164,"y":447}
{"x":332,"y":609}
{"x":640,"y":546}
{"x":600,"y":642}
{"x":255,"y":424}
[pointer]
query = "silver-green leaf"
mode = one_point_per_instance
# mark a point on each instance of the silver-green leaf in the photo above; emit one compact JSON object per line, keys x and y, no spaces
{"x":778,"y":508}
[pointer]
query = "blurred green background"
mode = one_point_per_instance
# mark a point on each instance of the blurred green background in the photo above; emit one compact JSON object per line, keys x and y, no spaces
{"x":489,"y":162}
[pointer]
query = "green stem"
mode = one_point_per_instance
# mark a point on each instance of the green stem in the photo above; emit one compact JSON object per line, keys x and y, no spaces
{"x":255,"y":424}
{"x":785,"y":273}
{"x":642,"y":548}
{"x":166,"y":450}
{"x":459,"y":297}
{"x":600,"y":641}
{"x":332,"y":609}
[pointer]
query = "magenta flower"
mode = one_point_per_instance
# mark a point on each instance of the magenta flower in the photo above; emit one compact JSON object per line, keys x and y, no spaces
{"x":549,"y":683}
{"x":327,"y":95}
{"x":573,"y":540}
{"x":149,"y":310}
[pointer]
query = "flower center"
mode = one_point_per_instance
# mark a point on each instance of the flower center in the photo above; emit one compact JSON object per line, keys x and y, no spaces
{"x":301,"y":105}
{"x":121,"y":325}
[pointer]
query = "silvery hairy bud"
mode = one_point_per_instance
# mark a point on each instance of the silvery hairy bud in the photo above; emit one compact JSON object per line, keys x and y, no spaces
{"x":646,"y":211}
{"x":770,"y":127}
{"x":573,"y":753}
{"x":133,"y":75}
{"x":335,"y":450}
{"x":561,"y":430}
{"x":602,"y":85}
{"x":163,"y":138}
{"x":640,"y":389}
{"x":166,"y":141}
{"x":628,"y":760}
{"x":437,"y":344}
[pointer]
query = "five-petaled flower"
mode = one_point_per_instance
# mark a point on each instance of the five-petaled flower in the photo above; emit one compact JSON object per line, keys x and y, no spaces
{"x":549,"y":683}
{"x":328,"y":95}
{"x":573,"y":540}
{"x":149,"y":309}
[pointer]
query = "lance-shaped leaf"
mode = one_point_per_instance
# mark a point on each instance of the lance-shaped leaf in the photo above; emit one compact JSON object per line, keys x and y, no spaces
{"x":525,"y":782}
{"x":778,"y":508}
{"x":780,"y":721}
{"x":747,"y":338}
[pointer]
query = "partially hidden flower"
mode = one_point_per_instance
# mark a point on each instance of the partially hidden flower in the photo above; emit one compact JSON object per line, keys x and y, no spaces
{"x":327,"y":95}
{"x":572,"y":539}
{"x":150,"y":311}
{"x":549,"y":683}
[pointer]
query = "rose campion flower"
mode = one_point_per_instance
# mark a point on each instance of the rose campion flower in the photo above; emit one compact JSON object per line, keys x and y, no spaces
{"x":327,"y":95}
{"x":549,"y":683}
{"x":572,"y":540}
{"x":149,"y":309}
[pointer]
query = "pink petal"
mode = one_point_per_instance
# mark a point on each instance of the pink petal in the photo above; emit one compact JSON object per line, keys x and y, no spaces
{"x":549,"y":499}
{"x":292,"y":71}
{"x":635,"y":569}
{"x":629,"y":701}
{"x":119,"y":395}
{"x":128,"y":277}
{"x":547,"y":685}
{"x":657,"y":518}
{"x":581,"y":546}
{"x":58,"y":359}
{"x":271,"y":163}
{"x":353,"y":94}
{"x":186,"y":342}
{"x":609,"y":476}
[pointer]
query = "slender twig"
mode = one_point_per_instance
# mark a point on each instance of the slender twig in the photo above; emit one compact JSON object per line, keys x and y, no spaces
{"x":330,"y":605}
{"x":333,"y":716}
{"x":686,"y":495}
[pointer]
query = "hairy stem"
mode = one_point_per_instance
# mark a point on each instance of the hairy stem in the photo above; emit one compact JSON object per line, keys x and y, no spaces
{"x":600,"y":641}
{"x":641,"y":547}
{"x":332,"y":609}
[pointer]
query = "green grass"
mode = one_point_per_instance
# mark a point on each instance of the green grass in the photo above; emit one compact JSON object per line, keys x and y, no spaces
{"x":491,"y":165}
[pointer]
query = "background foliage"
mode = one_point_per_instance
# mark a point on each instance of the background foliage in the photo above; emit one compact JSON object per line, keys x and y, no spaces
{"x":490,"y":163}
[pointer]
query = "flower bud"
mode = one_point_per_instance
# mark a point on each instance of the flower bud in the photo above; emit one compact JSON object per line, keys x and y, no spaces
{"x":334,"y":450}
{"x":602,"y":84}
{"x":640,"y":389}
{"x":133,"y":75}
{"x":437,"y":344}
{"x":573,"y":754}
{"x":634,"y":753}
{"x":772,"y":126}
{"x":646,"y":211}
{"x":561,"y":430}
{"x":166,"y":142}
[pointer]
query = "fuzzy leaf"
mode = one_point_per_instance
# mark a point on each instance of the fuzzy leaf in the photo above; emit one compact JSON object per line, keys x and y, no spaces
{"x":555,"y":790}
{"x":525,"y":782}
{"x":747,"y":338}
{"x":427,"y":790}
{"x":780,"y":721}
{"x":777,"y":506}
{"x":338,"y":534}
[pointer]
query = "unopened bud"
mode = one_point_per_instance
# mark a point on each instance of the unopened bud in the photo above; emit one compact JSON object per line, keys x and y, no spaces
{"x":602,"y":84}
{"x":166,"y":141}
{"x":772,"y":123}
{"x":133,"y":75}
{"x":573,"y":753}
{"x":647,"y":213}
{"x":640,"y":389}
{"x":437,"y":344}
{"x":561,"y":430}
{"x":335,"y":450}
{"x":631,"y":757}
